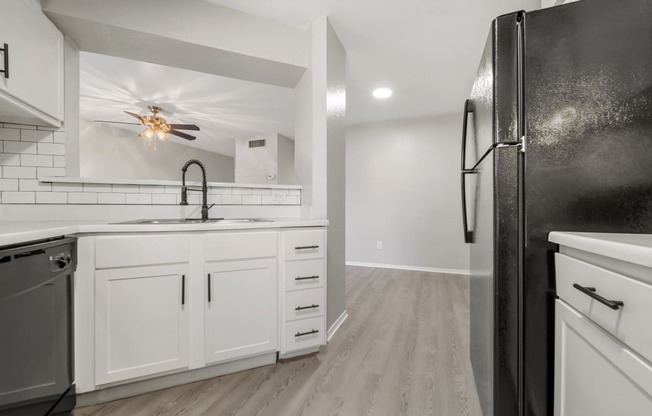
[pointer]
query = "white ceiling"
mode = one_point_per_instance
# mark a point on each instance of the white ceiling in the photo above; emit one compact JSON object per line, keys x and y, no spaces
{"x":427,"y":51}
{"x":223,"y":108}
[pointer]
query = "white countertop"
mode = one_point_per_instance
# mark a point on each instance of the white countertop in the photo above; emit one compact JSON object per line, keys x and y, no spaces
{"x":632,"y":248}
{"x":16,"y":232}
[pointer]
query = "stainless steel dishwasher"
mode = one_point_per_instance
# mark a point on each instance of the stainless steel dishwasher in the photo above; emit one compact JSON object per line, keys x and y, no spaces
{"x":36,"y":328}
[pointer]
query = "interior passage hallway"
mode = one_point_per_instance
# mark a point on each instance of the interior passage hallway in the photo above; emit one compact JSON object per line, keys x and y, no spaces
{"x":403,"y":351}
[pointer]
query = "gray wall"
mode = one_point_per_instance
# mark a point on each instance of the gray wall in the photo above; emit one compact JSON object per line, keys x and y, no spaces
{"x":403,"y":188}
{"x":112,"y":153}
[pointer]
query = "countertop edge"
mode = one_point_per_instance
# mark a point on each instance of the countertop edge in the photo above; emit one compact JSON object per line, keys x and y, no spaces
{"x":42,"y":230}
{"x":598,"y":243}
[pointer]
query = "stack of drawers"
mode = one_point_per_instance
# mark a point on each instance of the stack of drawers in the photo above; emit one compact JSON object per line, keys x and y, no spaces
{"x":303,"y":292}
{"x":603,"y":352}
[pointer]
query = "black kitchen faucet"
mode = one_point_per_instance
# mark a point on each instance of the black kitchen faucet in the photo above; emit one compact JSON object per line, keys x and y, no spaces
{"x":204,"y":188}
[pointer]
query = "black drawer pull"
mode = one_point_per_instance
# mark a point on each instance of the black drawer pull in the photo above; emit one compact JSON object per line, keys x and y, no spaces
{"x":5,"y":71}
{"x":301,"y":308}
{"x":590,"y":291}
{"x":209,"y":288}
{"x":306,"y":278}
{"x":183,"y":289}
{"x":300,"y":334}
{"x":306,"y":248}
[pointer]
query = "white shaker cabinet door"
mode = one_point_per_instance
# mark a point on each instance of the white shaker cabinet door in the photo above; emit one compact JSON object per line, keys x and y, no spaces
{"x":141,"y":322}
{"x":241,"y":309}
{"x":595,"y":374}
{"x":34,"y":61}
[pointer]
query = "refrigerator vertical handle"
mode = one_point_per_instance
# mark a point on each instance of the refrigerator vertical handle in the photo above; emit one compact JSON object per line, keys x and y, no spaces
{"x":468,"y":235}
{"x":467,"y":109}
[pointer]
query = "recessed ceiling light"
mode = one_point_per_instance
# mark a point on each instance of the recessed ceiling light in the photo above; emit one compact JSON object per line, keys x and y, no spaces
{"x":382,"y":93}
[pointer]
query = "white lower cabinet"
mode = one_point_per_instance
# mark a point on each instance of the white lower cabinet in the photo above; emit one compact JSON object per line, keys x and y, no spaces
{"x":595,"y":374}
{"x":141,"y":322}
{"x":241,"y":309}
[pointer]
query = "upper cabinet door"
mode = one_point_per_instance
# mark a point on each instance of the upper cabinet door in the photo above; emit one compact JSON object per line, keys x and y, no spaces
{"x":32,"y":91}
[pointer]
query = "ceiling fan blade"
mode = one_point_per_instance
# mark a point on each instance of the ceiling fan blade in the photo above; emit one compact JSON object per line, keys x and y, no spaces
{"x":182,"y":135}
{"x":115,"y":122}
{"x":135,"y":115}
{"x":185,"y":127}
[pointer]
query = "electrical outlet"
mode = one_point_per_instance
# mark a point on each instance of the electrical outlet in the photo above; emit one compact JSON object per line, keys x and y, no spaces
{"x":379,"y":245}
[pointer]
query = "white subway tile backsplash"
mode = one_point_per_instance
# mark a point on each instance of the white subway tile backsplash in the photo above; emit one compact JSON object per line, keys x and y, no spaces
{"x":251,"y":200}
{"x":100,"y":187}
{"x":261,"y":191}
{"x":19,"y":126}
{"x":18,"y":197}
{"x":231,"y":199}
{"x":8,"y":184}
{"x":51,"y":172}
{"x":59,"y":137}
{"x":37,"y":136}
{"x":139,"y":199}
{"x":164,"y":199}
{"x":172,"y":189}
{"x":82,"y":198}
{"x":28,"y":152}
{"x":9,"y":159}
{"x":34,"y":185}
{"x":279,"y":192}
{"x":51,"y":149}
{"x":51,"y":198}
{"x":125,"y":189}
{"x":220,"y":191}
{"x":215,"y":199}
{"x":19,"y":147}
{"x":67,"y":187}
{"x":18,"y":172}
{"x":47,"y":128}
{"x":111,"y":198}
{"x":152,"y":189}
{"x":241,"y":191}
{"x":9,"y":134}
{"x":36,"y":160}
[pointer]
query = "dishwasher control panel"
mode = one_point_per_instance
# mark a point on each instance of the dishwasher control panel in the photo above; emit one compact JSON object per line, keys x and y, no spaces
{"x":60,"y":261}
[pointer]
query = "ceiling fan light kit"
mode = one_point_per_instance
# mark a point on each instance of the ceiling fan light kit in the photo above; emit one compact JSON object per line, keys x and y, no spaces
{"x":157,"y":128}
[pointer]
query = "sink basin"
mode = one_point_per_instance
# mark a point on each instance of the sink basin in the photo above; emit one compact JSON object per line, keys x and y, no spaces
{"x":196,"y":221}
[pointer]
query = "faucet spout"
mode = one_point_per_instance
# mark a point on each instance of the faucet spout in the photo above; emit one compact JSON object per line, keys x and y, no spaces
{"x":204,"y":187}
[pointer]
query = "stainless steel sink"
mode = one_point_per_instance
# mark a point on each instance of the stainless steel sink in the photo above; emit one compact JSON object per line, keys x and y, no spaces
{"x":196,"y":221}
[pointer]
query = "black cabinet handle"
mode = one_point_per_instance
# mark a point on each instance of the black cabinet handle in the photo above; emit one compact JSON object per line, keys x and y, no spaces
{"x":590,"y":291}
{"x":183,"y":289}
{"x":209,"y":288}
{"x":306,"y":278}
{"x":300,"y":334}
{"x":306,"y":247}
{"x":301,"y":308}
{"x":5,"y":71}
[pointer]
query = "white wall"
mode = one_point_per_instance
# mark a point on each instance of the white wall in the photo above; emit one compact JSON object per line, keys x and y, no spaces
{"x":403,"y":188}
{"x":110,"y":152}
{"x":270,"y":164}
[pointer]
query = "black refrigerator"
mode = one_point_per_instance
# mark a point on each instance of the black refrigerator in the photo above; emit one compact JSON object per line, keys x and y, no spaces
{"x":557,"y":135}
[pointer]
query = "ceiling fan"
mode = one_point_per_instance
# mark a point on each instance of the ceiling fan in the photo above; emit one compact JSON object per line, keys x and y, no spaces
{"x":158,"y":128}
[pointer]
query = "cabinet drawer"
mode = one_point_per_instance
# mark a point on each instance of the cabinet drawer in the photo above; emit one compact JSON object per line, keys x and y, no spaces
{"x":304,"y":304}
{"x":596,"y":374}
{"x":628,"y":323}
{"x":127,"y":251}
{"x":308,"y":244}
{"x":305,"y":333}
{"x":233,"y":246}
{"x":304,"y":274}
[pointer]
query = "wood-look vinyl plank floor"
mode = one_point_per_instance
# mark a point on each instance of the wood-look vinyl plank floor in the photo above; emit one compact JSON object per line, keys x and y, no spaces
{"x":403,"y":352}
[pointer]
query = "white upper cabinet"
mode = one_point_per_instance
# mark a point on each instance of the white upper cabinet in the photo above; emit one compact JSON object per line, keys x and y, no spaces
{"x":31,"y":88}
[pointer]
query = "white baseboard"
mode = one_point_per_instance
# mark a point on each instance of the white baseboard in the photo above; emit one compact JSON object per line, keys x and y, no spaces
{"x":402,"y":267}
{"x":336,"y":325}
